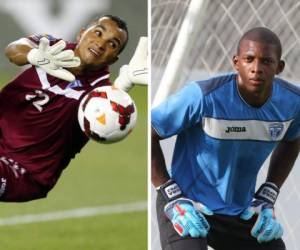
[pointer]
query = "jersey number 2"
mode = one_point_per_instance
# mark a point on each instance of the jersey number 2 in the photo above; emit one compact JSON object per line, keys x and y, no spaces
{"x":39,"y":99}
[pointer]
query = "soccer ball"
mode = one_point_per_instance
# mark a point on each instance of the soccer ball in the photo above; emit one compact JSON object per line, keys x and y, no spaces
{"x":107,"y":114}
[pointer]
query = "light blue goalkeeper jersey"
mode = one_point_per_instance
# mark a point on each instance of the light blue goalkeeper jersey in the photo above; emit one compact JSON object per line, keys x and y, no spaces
{"x":222,"y":141}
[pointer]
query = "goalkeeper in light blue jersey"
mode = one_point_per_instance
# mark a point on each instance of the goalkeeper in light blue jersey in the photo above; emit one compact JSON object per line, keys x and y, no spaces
{"x":226,"y":127}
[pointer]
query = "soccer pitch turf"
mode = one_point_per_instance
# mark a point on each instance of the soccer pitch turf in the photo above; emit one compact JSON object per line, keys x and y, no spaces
{"x":101,"y":175}
{"x":111,"y":232}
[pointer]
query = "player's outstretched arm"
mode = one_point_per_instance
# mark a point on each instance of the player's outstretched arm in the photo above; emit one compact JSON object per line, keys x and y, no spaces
{"x":136,"y":72}
{"x":17,"y":51}
{"x":186,"y":215}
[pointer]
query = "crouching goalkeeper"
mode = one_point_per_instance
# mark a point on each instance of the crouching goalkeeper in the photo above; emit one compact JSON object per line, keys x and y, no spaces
{"x":40,"y":133}
{"x":226,"y":127}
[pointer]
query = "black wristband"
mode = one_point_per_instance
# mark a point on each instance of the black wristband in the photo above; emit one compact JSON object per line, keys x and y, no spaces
{"x":267,"y":192}
{"x":170,"y":191}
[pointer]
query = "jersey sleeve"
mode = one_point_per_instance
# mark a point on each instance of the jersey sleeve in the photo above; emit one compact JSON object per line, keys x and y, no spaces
{"x":36,"y":38}
{"x":293,"y":131}
{"x":179,"y":111}
{"x":34,"y":41}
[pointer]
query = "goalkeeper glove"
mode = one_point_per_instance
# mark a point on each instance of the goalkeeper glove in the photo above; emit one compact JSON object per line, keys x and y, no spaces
{"x":186,"y":215}
{"x":52,"y":59}
{"x":136,"y":72}
{"x":266,"y":228}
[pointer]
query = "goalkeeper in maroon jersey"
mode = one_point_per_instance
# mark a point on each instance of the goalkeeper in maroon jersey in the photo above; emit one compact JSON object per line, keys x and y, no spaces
{"x":39,"y":130}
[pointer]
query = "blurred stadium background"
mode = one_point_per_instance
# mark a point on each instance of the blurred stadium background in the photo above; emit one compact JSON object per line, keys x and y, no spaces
{"x":195,"y":39}
{"x":107,"y":180}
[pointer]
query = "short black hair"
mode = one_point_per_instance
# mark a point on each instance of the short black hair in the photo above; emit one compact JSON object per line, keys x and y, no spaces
{"x":263,"y":35}
{"x":121,"y":24}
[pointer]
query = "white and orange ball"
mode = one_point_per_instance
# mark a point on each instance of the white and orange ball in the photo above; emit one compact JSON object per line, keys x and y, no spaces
{"x":107,"y":114}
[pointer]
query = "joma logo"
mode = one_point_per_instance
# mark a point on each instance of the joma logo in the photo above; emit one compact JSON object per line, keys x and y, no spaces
{"x":235,"y":129}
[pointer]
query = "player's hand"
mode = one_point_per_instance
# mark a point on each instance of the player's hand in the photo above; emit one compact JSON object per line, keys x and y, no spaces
{"x":187,"y":216}
{"x":266,"y":227}
{"x":137,"y":68}
{"x":53,"y":59}
{"x":136,"y":72}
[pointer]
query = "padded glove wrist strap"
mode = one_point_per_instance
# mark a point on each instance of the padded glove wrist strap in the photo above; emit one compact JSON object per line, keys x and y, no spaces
{"x":267,"y":192}
{"x":170,"y":191}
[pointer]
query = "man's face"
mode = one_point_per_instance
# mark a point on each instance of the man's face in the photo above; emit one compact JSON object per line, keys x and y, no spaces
{"x":257,"y":64}
{"x":99,"y":45}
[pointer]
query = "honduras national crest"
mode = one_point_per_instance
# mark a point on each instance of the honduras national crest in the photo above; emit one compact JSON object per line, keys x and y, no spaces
{"x":74,"y":84}
{"x":275,"y":130}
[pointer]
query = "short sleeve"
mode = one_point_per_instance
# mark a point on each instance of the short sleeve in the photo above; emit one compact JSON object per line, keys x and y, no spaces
{"x":179,"y":111}
{"x":36,"y":38}
{"x":293,"y":131}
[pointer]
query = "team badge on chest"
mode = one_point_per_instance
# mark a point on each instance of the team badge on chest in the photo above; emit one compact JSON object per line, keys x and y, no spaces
{"x":275,"y":130}
{"x":74,"y":84}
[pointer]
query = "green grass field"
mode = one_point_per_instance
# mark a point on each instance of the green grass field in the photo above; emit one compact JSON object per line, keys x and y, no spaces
{"x":100,"y":175}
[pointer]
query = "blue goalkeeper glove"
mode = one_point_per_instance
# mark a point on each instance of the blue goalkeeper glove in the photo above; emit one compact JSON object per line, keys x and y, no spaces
{"x":186,"y":215}
{"x":266,"y":228}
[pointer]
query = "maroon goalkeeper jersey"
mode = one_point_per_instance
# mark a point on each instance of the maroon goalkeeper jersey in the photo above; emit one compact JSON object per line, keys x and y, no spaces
{"x":38,"y":119}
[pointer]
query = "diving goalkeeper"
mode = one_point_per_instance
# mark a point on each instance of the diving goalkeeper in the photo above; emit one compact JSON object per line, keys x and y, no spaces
{"x":40,"y":133}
